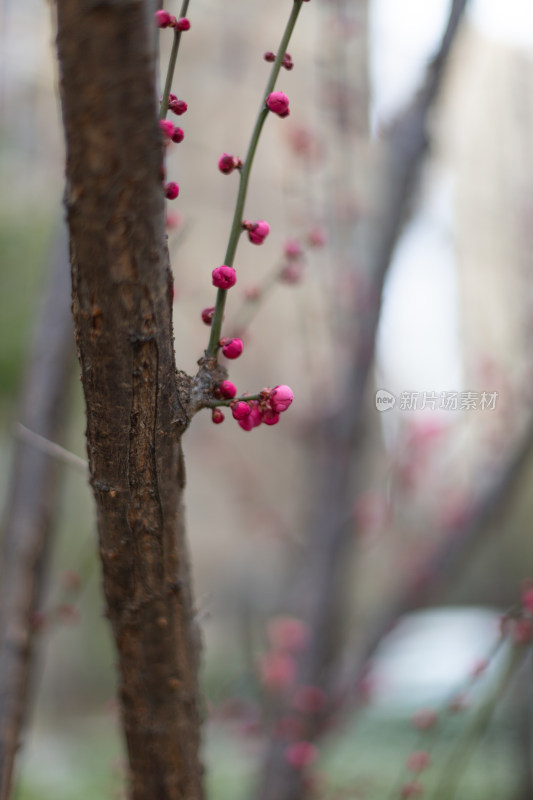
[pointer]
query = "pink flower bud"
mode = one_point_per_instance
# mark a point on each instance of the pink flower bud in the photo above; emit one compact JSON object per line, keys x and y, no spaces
{"x":256,"y":416}
{"x":177,"y":135}
{"x":278,"y":102}
{"x":262,"y":228}
{"x":277,"y":670}
{"x":255,"y":238}
{"x":292,"y":273}
{"x":258,"y":231}
{"x":293,"y":249}
{"x":182,"y":24}
{"x":207,"y":315}
{"x":178,"y":107}
{"x":224,"y":277}
{"x":317,"y":237}
{"x":172,"y":190}
{"x":269,"y":56}
{"x":217,"y":416}
{"x":227,"y":389}
{"x":281,"y":398}
{"x":226,"y":163}
{"x":174,"y":220}
{"x":232,"y":348}
{"x":301,"y":754}
{"x":287,"y":61}
{"x":240,"y":410}
{"x":167,"y":128}
{"x":252,"y":293}
{"x":162,"y":19}
{"x":270,"y":417}
{"x":247,"y":424}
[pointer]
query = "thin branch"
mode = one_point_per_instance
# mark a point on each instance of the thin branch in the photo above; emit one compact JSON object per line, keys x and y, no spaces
{"x":51,"y":448}
{"x":31,"y":504}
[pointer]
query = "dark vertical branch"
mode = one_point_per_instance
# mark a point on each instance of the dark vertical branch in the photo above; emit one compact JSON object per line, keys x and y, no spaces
{"x":319,"y":579}
{"x":31,"y":504}
{"x":122,"y":304}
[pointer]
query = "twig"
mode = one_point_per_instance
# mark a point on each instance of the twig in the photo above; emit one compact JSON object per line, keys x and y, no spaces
{"x":51,"y":448}
{"x":31,"y":504}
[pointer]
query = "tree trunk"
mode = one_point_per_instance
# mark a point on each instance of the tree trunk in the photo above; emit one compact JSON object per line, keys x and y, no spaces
{"x":136,"y":401}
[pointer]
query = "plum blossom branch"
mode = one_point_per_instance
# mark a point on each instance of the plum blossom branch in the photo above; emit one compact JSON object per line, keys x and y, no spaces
{"x":178,"y":29}
{"x":236,"y":227}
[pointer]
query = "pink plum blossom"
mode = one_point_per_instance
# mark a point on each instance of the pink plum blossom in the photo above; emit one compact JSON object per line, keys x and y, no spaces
{"x":232,"y":348}
{"x":281,"y":398}
{"x":278,"y":103}
{"x":224,"y":277}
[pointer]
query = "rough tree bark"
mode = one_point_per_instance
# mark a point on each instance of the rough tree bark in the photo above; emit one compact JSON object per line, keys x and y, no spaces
{"x":137,"y":403}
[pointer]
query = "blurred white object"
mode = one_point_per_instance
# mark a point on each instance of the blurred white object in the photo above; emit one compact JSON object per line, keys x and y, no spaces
{"x":430,"y":656}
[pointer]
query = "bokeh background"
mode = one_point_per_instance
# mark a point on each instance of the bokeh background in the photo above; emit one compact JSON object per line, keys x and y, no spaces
{"x":456,"y":317}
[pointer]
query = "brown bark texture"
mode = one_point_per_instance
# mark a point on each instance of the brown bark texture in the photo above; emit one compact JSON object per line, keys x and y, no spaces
{"x":136,"y":400}
{"x":31,"y":501}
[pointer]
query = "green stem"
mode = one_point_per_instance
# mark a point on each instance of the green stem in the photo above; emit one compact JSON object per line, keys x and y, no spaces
{"x":163,"y":109}
{"x":236,"y":227}
{"x":246,"y":397}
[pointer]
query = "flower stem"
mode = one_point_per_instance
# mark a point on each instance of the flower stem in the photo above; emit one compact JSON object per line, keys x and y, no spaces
{"x":163,"y":109}
{"x":224,"y":402}
{"x":236,"y":227}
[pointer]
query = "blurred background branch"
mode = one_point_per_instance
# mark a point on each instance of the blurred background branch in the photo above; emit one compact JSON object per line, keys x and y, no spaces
{"x":28,"y":522}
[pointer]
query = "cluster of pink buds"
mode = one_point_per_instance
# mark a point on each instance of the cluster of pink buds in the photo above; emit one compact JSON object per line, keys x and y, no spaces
{"x":165,"y":20}
{"x":257,"y":231}
{"x":278,"y":103}
{"x":292,"y":270}
{"x":177,"y":106}
{"x":251,"y":413}
{"x":170,"y":131}
{"x":287,"y":62}
{"x":227,"y":163}
{"x":267,"y":409}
